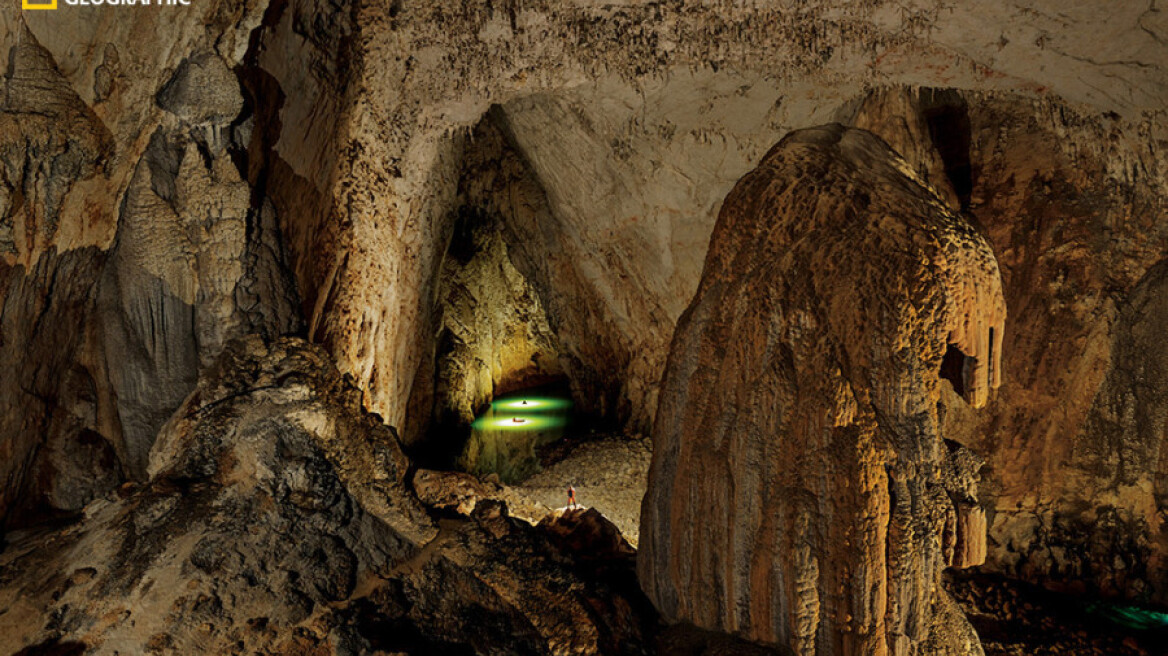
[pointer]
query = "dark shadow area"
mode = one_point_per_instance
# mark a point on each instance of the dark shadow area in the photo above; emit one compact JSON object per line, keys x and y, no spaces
{"x":54,"y":648}
{"x":386,"y":633}
{"x":953,"y":369}
{"x":463,"y":244}
{"x":689,"y":640}
{"x":947,"y":117}
{"x":1012,"y":617}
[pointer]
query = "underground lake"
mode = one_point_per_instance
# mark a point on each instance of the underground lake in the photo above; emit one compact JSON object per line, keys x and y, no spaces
{"x":504,"y":436}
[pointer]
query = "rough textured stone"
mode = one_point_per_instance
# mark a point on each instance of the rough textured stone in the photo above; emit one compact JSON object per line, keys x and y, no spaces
{"x":634,"y":145}
{"x":1077,"y":272}
{"x":49,"y":140}
{"x":203,"y":90}
{"x":276,"y":520}
{"x":171,"y":180}
{"x":608,"y":475}
{"x":352,"y":135}
{"x":271,"y":494}
{"x":127,"y":187}
{"x":51,"y":451}
{"x":1073,"y":203}
{"x":501,"y":586}
{"x":492,"y":336}
{"x":795,"y":495}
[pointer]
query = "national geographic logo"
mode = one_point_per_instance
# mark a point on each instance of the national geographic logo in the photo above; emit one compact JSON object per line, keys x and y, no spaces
{"x":52,"y":4}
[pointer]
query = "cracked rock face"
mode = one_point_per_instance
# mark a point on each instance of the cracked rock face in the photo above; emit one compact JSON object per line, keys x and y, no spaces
{"x":133,"y":247}
{"x":51,"y":140}
{"x":270,"y":496}
{"x":796,"y":493}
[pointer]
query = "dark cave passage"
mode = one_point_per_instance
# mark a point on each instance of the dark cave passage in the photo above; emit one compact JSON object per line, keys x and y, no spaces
{"x":954,"y":366}
{"x":507,"y":322}
{"x":947,"y":117}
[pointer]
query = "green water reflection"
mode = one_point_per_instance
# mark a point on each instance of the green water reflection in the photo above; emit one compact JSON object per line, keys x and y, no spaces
{"x":504,"y":438}
{"x":1132,"y":617}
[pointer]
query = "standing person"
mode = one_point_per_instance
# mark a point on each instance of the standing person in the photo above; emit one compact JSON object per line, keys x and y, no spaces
{"x":571,"y":497}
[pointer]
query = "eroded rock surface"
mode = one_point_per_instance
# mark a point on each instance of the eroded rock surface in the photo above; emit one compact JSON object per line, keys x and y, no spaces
{"x":634,"y":145}
{"x":51,"y":140}
{"x":492,"y":336}
{"x":53,"y":449}
{"x":1073,"y":203}
{"x":350,"y":136}
{"x":500,"y":586}
{"x":133,"y":245}
{"x":276,"y":520}
{"x":271,"y":495}
{"x":796,"y":492}
{"x":298,"y":166}
{"x":609,"y":476}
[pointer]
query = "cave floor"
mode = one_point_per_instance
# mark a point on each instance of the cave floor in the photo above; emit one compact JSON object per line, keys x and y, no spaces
{"x":609,"y":473}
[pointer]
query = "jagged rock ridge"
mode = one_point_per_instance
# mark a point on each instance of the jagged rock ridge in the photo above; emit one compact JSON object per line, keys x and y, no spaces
{"x":276,"y":519}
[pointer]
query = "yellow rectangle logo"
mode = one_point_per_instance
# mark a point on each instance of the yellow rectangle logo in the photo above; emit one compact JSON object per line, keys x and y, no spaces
{"x":38,"y":4}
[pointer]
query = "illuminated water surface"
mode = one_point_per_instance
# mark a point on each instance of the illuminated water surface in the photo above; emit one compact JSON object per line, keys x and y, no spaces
{"x":504,"y":438}
{"x":1132,"y":617}
{"x":526,"y":404}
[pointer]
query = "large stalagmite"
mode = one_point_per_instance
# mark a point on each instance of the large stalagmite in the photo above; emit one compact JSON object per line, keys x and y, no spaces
{"x":798,"y":492}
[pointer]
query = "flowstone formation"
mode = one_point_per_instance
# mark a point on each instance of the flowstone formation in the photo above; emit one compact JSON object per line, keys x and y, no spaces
{"x":133,"y":246}
{"x":1074,"y":204}
{"x":798,"y":488}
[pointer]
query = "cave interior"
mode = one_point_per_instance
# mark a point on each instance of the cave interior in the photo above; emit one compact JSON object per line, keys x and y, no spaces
{"x":604,"y":328}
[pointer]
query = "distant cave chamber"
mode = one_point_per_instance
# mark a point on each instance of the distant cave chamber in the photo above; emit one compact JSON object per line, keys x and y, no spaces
{"x":494,"y":344}
{"x":947,"y":117}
